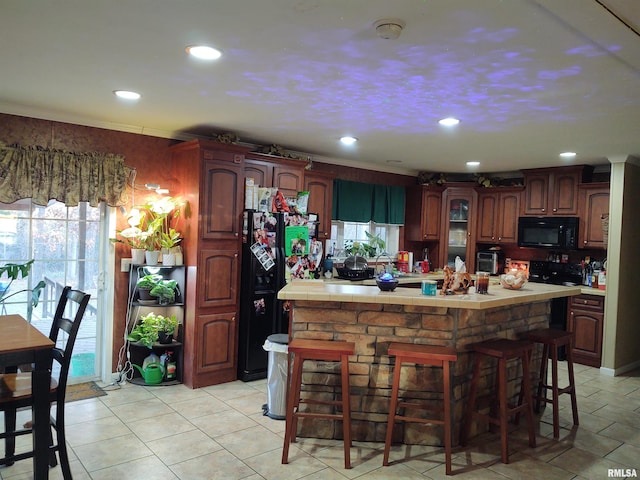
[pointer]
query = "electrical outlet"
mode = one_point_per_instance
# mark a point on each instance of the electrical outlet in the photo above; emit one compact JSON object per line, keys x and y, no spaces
{"x":125,"y":264}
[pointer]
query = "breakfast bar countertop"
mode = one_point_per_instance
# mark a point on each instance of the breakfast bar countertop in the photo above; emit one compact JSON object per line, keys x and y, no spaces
{"x":318,"y":290}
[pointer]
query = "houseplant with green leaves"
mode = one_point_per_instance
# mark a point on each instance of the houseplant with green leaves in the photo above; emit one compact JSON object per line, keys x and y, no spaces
{"x":165,"y":291}
{"x":151,"y":327}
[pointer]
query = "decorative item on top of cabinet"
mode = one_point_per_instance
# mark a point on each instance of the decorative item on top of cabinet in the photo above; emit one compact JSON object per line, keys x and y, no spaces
{"x":424,"y":208}
{"x":498,"y":210}
{"x":458,"y":226}
{"x":586,"y":319}
{"x":320,"y":188}
{"x":594,"y":204}
{"x":553,"y":191}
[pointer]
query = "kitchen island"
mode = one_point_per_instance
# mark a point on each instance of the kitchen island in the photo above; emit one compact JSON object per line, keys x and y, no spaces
{"x":372,"y":319}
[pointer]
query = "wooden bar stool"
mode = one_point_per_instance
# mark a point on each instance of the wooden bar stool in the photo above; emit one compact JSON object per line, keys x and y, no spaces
{"x":299,"y":351}
{"x":421,"y":355}
{"x":552,"y":340}
{"x":503,"y":350}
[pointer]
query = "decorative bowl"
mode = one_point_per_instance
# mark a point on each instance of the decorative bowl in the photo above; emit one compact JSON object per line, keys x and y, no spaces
{"x":513,"y":280}
{"x":386,"y":282}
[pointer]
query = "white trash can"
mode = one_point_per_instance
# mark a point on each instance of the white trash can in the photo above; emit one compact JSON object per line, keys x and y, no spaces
{"x":277,"y":345}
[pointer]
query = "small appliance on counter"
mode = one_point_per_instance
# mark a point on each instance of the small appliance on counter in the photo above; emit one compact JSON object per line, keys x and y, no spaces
{"x":491,"y":261}
{"x":355,"y":268}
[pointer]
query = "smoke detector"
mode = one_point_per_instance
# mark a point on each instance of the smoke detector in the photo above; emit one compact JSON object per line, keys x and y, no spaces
{"x":389,"y":28}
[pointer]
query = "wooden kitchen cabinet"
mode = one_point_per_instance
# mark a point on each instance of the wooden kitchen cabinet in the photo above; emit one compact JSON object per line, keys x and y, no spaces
{"x":320,"y":188}
{"x":458,"y":226}
{"x":553,"y":191}
{"x":498,"y":210}
{"x":586,"y":319}
{"x":594,"y":204}
{"x":210,"y":176}
{"x":223,"y":200}
{"x":285,"y":174}
{"x":423,"y":213}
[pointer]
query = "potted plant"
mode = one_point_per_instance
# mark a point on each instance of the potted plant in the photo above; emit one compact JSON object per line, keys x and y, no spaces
{"x":165,"y":290}
{"x":15,"y":271}
{"x":146,"y":284}
{"x":138,"y":236}
{"x":151,"y":327}
{"x":159,"y":214}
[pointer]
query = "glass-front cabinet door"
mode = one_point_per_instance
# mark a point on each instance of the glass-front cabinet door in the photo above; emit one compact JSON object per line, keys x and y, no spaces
{"x":459,"y":223}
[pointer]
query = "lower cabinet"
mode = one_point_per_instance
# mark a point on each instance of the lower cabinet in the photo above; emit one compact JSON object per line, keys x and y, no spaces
{"x":217,"y":352}
{"x":586,"y":319}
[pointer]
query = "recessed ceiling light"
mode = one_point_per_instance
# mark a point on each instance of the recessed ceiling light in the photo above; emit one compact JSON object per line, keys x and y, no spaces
{"x":127,"y":94}
{"x":203,"y":52}
{"x":348,"y":140}
{"x":568,"y":154}
{"x":473,"y":164}
{"x":449,"y":121}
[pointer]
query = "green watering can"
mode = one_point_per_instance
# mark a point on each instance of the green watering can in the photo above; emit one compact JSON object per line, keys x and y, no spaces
{"x":153,"y":373}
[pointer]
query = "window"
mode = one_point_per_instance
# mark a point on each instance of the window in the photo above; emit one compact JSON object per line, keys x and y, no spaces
{"x":65,"y":244}
{"x":342,"y":232}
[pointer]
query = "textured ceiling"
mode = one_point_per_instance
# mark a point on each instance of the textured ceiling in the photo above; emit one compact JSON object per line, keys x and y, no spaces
{"x":528,"y":79}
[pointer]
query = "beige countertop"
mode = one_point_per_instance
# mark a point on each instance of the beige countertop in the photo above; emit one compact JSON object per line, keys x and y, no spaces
{"x":319,"y":290}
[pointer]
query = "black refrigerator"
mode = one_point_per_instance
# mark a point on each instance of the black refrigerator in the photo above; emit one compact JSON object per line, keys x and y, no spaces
{"x":267,"y":262}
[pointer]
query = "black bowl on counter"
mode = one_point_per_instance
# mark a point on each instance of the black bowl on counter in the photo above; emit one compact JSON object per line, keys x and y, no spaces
{"x":386,"y":284}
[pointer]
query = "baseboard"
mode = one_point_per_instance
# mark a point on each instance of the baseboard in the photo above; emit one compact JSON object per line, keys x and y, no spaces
{"x":614,"y":372}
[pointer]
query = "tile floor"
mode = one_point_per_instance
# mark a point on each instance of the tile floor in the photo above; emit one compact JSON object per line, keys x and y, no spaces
{"x":219,"y":432}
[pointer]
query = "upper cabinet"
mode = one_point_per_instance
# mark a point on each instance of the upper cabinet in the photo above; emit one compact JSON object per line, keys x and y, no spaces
{"x":594,"y":205}
{"x":458,"y":226}
{"x":498,"y":210}
{"x":553,"y":191}
{"x":320,"y":188}
{"x":285,"y":174}
{"x":223,"y":200}
{"x":423,"y":213}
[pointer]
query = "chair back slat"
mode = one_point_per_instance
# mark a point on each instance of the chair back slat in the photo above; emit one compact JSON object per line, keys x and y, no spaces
{"x":69,"y":300}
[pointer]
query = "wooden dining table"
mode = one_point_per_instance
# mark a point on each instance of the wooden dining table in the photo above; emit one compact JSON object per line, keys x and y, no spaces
{"x":22,"y":343}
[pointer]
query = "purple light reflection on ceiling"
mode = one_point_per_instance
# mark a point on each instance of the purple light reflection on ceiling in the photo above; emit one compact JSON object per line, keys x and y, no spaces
{"x":419,"y":81}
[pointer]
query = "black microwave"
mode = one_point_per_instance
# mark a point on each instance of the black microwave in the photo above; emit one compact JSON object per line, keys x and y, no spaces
{"x":548,"y":232}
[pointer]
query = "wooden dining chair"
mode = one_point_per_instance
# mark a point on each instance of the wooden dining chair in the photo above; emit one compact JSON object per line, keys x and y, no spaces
{"x":15,"y":388}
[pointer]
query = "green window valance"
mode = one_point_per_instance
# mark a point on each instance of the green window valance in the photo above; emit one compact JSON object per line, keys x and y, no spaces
{"x":365,"y":202}
{"x":44,"y":174}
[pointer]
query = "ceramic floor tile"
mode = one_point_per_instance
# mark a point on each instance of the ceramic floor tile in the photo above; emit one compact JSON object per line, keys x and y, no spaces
{"x":326,"y":474}
{"x":147,"y":467}
{"x":628,"y":455}
{"x":523,"y":467}
{"x":584,"y":464}
{"x":101,"y":429}
{"x":162,"y":426}
{"x":269,"y":465}
{"x":127,"y":393}
{"x":199,"y":407}
{"x":111,"y":452}
{"x":220,"y":465}
{"x":250,"y":442}
{"x":623,"y":433}
{"x":226,"y":391}
{"x":222,"y":423}
{"x":184,"y":446}
{"x":248,"y":404}
{"x":177,"y":393}
{"x":131,"y":412}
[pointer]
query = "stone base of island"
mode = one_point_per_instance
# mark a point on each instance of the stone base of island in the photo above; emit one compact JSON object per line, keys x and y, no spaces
{"x":373,"y":319}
